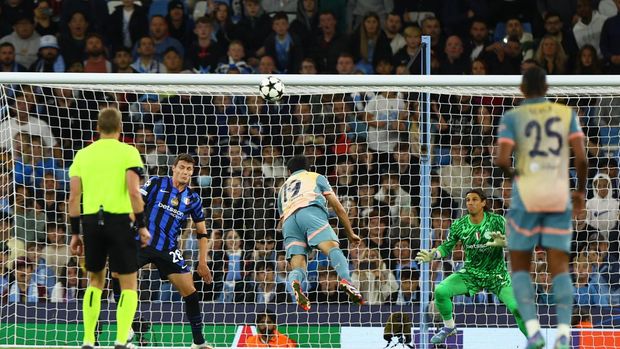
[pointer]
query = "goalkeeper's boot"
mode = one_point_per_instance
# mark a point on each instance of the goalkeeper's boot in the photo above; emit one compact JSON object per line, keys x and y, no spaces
{"x":201,"y":346}
{"x":354,"y":294}
{"x":562,"y":342}
{"x":300,"y":297}
{"x":535,"y":342}
{"x":445,"y":332}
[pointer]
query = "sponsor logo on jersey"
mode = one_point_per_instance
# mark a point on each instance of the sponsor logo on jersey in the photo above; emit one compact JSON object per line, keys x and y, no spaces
{"x":178,"y":214}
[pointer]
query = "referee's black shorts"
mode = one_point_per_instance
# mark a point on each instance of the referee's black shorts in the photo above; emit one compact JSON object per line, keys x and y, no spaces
{"x":114,"y":239}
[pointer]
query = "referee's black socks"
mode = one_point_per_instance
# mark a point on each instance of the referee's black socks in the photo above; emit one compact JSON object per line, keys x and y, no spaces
{"x":194,"y":315}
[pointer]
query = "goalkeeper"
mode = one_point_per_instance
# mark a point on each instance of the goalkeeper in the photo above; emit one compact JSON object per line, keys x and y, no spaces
{"x":483,"y":238}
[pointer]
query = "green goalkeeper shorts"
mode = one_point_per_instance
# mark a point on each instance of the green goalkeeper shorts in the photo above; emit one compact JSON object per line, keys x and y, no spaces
{"x":476,"y":283}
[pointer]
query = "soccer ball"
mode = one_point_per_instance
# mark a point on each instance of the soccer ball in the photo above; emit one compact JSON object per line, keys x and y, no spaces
{"x":271,"y":88}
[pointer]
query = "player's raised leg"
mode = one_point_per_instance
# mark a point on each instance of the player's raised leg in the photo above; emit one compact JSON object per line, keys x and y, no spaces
{"x":506,"y":296}
{"x":452,"y":286}
{"x":340,"y":263}
{"x":184,"y":283}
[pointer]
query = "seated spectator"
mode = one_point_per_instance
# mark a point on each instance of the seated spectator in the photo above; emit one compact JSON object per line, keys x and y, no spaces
{"x":456,"y":177}
{"x":254,"y":27}
{"x":24,"y":39}
{"x":44,"y":23}
{"x":368,"y":44}
{"x":174,"y":62}
{"x":234,"y":59}
{"x":263,"y":288}
{"x":346,"y":64}
{"x":29,"y":222}
{"x":268,"y":336}
{"x":431,"y":26}
{"x":180,"y":24}
{"x":329,"y":43}
{"x":23,"y":287}
{"x":126,"y":25}
{"x":56,"y":252}
{"x":391,"y":195}
{"x":273,"y":165}
{"x":51,"y":196}
{"x":588,"y":28}
{"x":586,"y":292}
{"x":551,"y":56}
{"x":455,"y":62}
{"x":392,"y":27}
{"x":357,"y":12}
{"x":306,"y":25}
{"x":147,"y":61}
{"x":122,"y":61}
{"x":587,"y":62}
{"x":602,"y":209}
{"x":44,"y":273}
{"x":377,"y":233}
{"x":381,"y":114}
{"x":383,"y":67}
{"x":478,"y":39}
{"x":233,"y":249}
{"x":50,"y":59}
{"x":204,"y":52}
{"x":327,"y":290}
{"x":7,"y":60}
{"x":96,"y":58}
{"x":374,"y":280}
{"x":73,"y":42}
{"x":514,"y":29}
{"x":285,"y":47}
{"x":403,"y":255}
{"x":71,"y":283}
{"x":264,"y":250}
{"x":409,"y":288}
{"x":224,"y":28}
{"x":217,"y":262}
{"x":162,"y":39}
{"x":409,"y":55}
{"x":554,"y":27}
{"x":267,"y":65}
{"x":609,"y":45}
{"x":504,"y":58}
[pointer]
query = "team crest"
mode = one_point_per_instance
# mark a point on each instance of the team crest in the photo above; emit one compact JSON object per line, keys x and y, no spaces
{"x":174,"y":202}
{"x":186,"y":201}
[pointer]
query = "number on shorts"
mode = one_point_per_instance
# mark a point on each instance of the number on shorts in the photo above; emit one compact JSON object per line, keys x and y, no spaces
{"x":177,"y":256}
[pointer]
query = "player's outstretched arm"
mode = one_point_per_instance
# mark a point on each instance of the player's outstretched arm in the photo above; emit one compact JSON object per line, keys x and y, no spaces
{"x":425,"y":256}
{"x":203,"y":250}
{"x":499,"y":240}
{"x":343,"y":217}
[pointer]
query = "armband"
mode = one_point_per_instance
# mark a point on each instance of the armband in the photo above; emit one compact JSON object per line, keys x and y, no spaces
{"x":201,"y":236}
{"x":137,"y":170}
{"x":139,"y":222}
{"x":76,"y":225}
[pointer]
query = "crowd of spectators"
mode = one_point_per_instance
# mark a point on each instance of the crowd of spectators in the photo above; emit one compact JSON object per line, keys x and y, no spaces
{"x":367,"y":144}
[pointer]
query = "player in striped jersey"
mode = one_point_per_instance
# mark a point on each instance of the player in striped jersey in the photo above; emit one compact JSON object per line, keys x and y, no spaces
{"x":541,"y":134}
{"x":302,"y":203}
{"x":169,"y":202}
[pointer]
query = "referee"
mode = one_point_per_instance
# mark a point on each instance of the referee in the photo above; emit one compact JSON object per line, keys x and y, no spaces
{"x":105,"y":180}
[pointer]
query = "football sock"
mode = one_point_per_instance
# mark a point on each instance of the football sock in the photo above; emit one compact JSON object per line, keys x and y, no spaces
{"x":194,"y":316}
{"x":125,"y":311}
{"x":339,"y":262}
{"x":91,"y":306}
{"x":525,"y":294}
{"x":563,"y":295}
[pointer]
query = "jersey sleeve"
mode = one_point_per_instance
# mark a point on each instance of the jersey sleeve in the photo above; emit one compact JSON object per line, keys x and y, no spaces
{"x":501,"y":224}
{"x":148,"y":186}
{"x":453,"y":238}
{"x":324,"y":186}
{"x":134,"y":159}
{"x":74,"y":170}
{"x":197,"y":212}
{"x":575,"y":128}
{"x":506,"y":132}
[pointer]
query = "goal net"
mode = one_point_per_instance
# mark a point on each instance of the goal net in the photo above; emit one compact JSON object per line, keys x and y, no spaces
{"x":366,"y":135}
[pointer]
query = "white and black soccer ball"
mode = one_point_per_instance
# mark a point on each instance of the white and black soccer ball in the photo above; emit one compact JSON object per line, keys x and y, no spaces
{"x":271,"y":88}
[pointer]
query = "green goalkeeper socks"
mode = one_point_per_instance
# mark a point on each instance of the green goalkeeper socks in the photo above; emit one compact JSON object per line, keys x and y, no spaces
{"x":125,"y":312}
{"x":91,"y":306}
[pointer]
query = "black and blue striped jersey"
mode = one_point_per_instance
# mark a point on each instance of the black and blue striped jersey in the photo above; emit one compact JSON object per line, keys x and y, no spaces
{"x":167,"y":209}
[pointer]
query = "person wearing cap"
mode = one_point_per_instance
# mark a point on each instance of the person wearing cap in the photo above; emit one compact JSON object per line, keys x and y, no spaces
{"x":180,"y":25}
{"x":24,"y":39}
{"x":50,"y":59}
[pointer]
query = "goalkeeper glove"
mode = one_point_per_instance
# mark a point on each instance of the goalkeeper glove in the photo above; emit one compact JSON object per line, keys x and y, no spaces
{"x":426,"y":255}
{"x":499,"y":240}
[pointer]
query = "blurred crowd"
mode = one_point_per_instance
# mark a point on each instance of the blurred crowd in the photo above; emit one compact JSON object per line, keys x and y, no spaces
{"x":309,"y":36}
{"x":367,"y":144}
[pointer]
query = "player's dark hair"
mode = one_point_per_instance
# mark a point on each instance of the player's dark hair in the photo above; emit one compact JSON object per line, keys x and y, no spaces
{"x":481,"y":195}
{"x":534,"y":82}
{"x":184,"y":157}
{"x":266,"y":314}
{"x":298,"y":162}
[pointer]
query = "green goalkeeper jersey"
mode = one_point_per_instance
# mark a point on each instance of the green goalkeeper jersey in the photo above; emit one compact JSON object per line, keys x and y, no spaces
{"x":481,"y":261}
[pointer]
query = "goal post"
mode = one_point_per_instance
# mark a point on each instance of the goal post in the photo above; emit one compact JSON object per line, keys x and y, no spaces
{"x":365,"y":134}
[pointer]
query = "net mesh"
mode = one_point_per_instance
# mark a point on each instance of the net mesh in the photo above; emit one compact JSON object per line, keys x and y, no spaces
{"x":365,"y":139}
